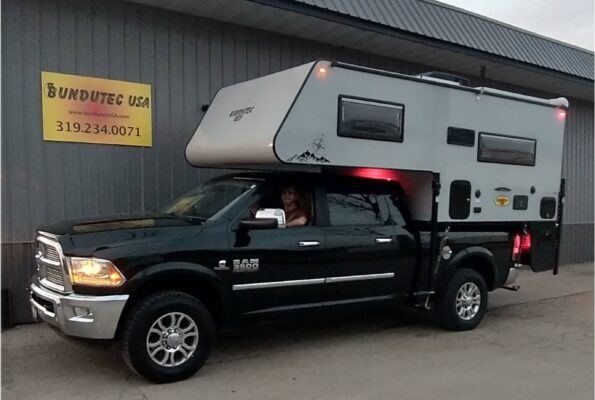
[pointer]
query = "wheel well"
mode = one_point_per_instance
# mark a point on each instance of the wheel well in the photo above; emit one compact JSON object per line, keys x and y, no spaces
{"x":482,"y":266}
{"x":195,"y":286}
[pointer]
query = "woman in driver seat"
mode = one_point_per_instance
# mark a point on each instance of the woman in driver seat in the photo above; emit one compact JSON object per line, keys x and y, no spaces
{"x":295,"y":215}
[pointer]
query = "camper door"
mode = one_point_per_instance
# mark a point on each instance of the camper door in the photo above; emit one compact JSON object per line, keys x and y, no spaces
{"x":546,"y":235}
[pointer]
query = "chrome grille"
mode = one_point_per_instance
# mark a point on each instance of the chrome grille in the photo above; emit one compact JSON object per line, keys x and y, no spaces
{"x":50,"y":263}
{"x":49,"y":252}
{"x":54,"y":275}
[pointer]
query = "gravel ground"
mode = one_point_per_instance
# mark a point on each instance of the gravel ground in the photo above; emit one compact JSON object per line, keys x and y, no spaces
{"x":533,"y":344}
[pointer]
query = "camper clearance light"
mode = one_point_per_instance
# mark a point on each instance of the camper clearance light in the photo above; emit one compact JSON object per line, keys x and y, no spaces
{"x":375,"y":173}
{"x":561,"y":114}
{"x":321,"y":72}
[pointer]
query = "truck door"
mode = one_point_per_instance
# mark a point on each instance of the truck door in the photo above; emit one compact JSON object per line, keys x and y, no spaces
{"x":367,"y":251}
{"x":276,"y":269}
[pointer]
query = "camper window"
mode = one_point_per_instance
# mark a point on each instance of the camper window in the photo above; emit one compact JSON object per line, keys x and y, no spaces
{"x":370,"y":119}
{"x":506,"y":149}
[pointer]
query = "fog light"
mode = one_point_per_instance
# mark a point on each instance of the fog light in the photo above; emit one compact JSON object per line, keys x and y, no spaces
{"x":81,"y":311}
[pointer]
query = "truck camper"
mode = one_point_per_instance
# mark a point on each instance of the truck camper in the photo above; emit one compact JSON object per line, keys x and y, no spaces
{"x":362,"y":188}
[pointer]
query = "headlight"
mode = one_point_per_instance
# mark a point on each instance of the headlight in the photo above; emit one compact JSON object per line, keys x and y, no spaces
{"x":94,"y":272}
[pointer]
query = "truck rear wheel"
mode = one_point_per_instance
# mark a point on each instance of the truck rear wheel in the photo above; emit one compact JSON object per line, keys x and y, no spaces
{"x":167,"y":336}
{"x":463,"y":303}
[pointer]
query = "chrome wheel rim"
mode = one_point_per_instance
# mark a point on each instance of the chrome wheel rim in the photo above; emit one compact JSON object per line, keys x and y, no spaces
{"x":172,"y":339}
{"x":468,"y":301}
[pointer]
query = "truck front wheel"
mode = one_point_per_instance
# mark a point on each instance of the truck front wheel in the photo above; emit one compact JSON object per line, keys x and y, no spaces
{"x":167,"y":336}
{"x":462,"y":304}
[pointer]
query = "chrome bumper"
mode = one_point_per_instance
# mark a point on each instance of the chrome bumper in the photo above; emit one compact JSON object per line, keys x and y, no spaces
{"x":512,"y":274}
{"x":92,"y":317}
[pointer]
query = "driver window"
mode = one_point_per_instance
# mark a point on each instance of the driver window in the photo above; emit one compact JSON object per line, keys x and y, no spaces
{"x":295,"y":201}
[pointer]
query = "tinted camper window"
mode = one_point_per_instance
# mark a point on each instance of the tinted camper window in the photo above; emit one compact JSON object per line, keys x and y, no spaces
{"x":370,"y":119}
{"x":506,"y":149}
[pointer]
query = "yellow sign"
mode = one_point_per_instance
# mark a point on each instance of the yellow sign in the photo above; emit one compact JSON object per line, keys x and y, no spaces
{"x":502,"y":201}
{"x":92,"y":110}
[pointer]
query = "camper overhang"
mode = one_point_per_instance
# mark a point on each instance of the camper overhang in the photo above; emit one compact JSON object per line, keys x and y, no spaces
{"x":498,"y":152}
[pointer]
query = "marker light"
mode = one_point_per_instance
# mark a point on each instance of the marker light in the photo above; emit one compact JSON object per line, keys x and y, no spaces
{"x":321,"y":72}
{"x":375,"y":173}
{"x":561,"y":114}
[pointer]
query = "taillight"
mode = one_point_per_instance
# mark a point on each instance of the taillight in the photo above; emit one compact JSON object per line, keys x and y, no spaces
{"x":522,"y":244}
{"x":516,"y":248}
{"x":526,"y":243}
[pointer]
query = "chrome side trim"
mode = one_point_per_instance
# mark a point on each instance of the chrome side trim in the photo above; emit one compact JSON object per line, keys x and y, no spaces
{"x":352,"y":278}
{"x":316,"y":281}
{"x":265,"y":285}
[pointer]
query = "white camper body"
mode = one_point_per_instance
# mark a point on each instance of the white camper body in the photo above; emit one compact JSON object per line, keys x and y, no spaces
{"x":501,"y":152}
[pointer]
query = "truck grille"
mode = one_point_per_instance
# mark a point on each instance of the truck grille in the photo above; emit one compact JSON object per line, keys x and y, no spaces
{"x":49,"y":263}
{"x":49,"y":252}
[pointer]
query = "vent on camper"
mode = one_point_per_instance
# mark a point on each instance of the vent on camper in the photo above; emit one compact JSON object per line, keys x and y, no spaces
{"x":444,"y":76}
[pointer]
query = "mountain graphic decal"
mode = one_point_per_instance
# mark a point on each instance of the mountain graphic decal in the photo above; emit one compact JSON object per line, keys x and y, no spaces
{"x":307,"y":156}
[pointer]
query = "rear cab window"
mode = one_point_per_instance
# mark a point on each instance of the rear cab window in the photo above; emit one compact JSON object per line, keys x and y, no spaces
{"x":366,"y":203}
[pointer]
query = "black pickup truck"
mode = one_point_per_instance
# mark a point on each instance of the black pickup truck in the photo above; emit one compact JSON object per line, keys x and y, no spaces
{"x":161,"y":284}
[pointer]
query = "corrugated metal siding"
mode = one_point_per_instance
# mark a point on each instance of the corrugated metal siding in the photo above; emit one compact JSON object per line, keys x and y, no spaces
{"x":186,"y":60}
{"x":577,"y":168}
{"x":578,"y":163}
{"x":442,"y":22}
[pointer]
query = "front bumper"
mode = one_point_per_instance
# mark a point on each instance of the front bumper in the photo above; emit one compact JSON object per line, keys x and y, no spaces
{"x":92,"y":317}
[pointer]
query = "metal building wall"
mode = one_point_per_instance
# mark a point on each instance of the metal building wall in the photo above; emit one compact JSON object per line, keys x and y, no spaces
{"x":577,"y":168}
{"x":186,"y":59}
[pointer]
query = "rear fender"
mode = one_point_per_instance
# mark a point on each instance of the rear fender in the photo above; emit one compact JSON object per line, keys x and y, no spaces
{"x":474,"y":257}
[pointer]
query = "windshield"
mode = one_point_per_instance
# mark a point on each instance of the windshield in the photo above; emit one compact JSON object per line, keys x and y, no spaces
{"x":207,"y":199}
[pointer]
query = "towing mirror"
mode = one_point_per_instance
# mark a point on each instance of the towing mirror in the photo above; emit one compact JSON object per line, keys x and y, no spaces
{"x":266,"y":218}
{"x":276,"y":213}
{"x":259,"y":223}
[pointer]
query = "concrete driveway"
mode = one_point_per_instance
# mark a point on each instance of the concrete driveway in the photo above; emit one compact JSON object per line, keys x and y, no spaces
{"x":533,"y":344}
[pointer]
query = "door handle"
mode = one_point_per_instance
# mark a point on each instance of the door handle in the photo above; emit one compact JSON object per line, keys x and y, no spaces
{"x":309,"y":243}
{"x":384,"y":240}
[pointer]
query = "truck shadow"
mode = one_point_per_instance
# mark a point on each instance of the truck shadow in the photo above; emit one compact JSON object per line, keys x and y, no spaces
{"x":251,"y":339}
{"x":258,"y":336}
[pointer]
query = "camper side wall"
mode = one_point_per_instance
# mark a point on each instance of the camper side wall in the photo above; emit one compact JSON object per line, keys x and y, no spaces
{"x":499,"y":159}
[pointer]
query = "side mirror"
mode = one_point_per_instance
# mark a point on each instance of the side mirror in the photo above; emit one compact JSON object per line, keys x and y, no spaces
{"x":259,"y":223}
{"x":276,"y":213}
{"x":266,"y":218}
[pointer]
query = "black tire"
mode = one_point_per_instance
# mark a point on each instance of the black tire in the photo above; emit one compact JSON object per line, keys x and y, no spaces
{"x":446,"y":303}
{"x":138,"y":323}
